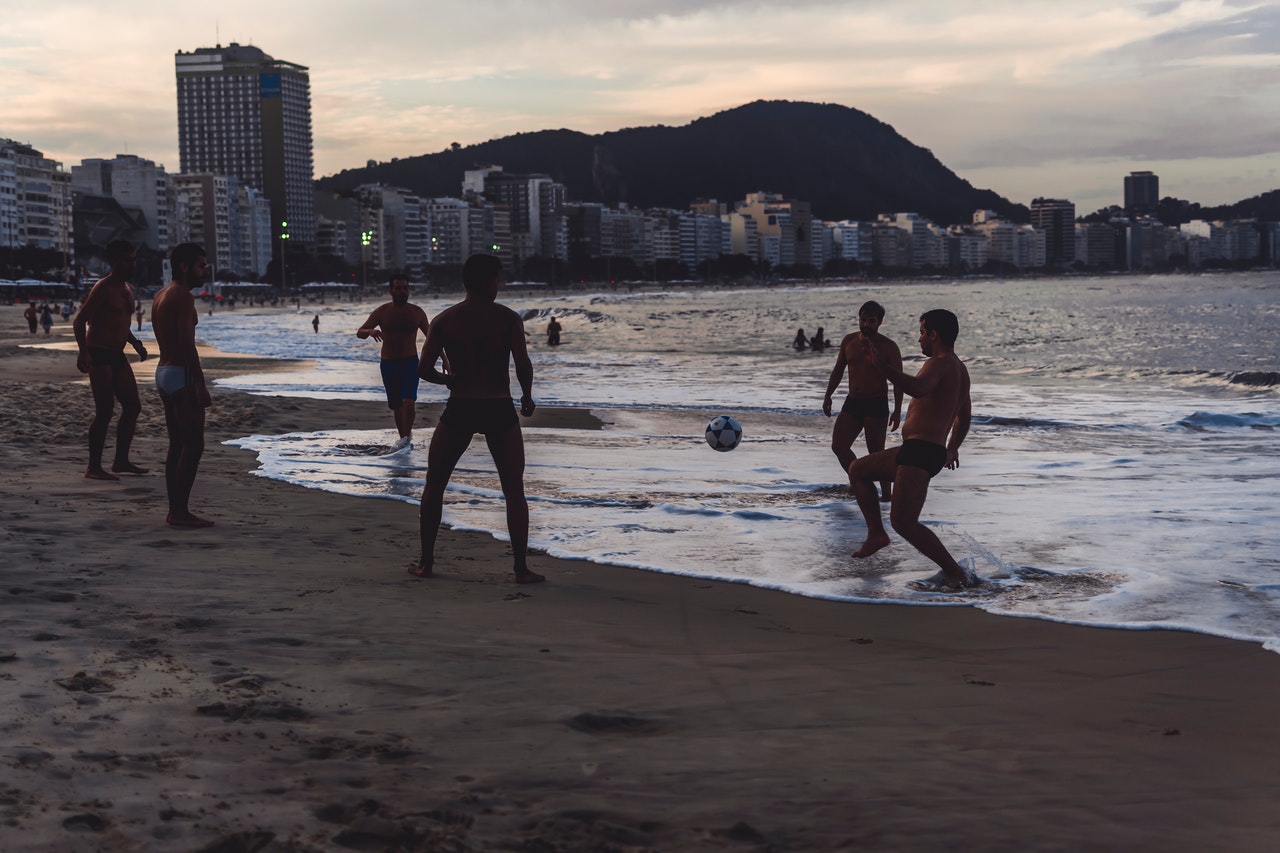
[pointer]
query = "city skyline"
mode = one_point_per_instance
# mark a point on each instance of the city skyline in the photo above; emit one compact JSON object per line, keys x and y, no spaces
{"x":1034,"y":99}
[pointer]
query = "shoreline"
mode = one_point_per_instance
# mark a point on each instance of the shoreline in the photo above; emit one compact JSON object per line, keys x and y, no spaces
{"x":279,"y":682}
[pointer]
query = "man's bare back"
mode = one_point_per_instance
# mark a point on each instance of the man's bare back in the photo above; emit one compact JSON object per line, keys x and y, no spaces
{"x":479,"y":339}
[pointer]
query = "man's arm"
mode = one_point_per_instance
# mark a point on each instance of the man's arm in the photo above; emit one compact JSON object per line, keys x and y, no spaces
{"x":369,"y":329}
{"x":431,"y":352}
{"x":833,"y":382}
{"x":138,"y":346}
{"x":524,"y":366}
{"x":919,"y":385}
{"x":895,"y":361}
{"x":960,"y":428}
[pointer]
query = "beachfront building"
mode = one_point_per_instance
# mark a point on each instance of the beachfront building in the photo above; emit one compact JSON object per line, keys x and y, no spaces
{"x":1141,"y":193}
{"x":1096,"y":245}
{"x":35,"y":199}
{"x":855,"y":241}
{"x":1056,"y":217}
{"x":1234,"y":241}
{"x":140,"y":185}
{"x":400,"y":232}
{"x":787,"y":220}
{"x":231,"y":221}
{"x":243,"y":114}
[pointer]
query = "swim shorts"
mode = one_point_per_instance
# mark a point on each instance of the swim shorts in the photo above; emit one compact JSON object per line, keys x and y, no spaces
{"x":172,"y":378}
{"x":866,"y":407}
{"x":103,"y":357}
{"x":923,"y":454}
{"x":485,"y":416}
{"x":400,"y":378}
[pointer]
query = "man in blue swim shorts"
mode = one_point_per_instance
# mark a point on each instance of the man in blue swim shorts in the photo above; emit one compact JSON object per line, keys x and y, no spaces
{"x":481,"y":339}
{"x":936,"y":425}
{"x":395,"y":325}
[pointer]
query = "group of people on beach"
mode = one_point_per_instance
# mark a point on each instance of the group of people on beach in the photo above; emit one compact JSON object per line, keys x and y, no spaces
{"x":41,"y":316}
{"x":818,"y":342}
{"x":470,"y":348}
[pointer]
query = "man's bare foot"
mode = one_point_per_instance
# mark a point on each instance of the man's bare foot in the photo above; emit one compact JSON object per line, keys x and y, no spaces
{"x":419,"y":571}
{"x":942,"y":582}
{"x":873,"y":544}
{"x":526,"y":576}
{"x":127,"y":468}
{"x":99,"y":474}
{"x":187,"y":520}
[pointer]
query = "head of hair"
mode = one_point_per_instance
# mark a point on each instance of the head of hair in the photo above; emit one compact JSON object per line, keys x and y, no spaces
{"x":117,"y":249}
{"x":480,"y":270}
{"x":873,"y":308}
{"x":186,"y":254}
{"x":943,"y":322}
{"x":397,"y":276}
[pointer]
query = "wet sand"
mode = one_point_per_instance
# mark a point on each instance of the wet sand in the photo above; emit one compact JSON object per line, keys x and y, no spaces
{"x":278,"y":682}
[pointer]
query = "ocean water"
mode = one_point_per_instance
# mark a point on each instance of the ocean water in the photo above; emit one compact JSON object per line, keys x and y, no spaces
{"x":1122,"y":469}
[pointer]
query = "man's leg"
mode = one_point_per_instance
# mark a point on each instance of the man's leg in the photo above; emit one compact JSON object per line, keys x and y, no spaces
{"x":126,"y":391}
{"x":843,"y":434}
{"x":911,"y":486}
{"x":877,"y":429}
{"x":862,"y":476}
{"x":442,"y":457}
{"x":184,"y":417}
{"x":507,"y":448}
{"x":102,"y":384}
{"x":405,"y":416}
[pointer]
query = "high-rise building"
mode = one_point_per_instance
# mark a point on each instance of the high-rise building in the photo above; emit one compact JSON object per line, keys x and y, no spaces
{"x":1141,"y":192}
{"x":1056,"y":217}
{"x":139,"y":185}
{"x":35,"y":199}
{"x":243,"y":114}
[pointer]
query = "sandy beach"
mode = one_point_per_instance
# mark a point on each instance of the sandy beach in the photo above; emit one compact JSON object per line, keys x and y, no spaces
{"x":279,"y":683}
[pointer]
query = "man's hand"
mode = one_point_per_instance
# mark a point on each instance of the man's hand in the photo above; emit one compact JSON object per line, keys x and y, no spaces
{"x":872,"y":353}
{"x":140,"y":349}
{"x":526,"y":405}
{"x":826,"y":405}
{"x":370,"y":333}
{"x":894,"y":420}
{"x":202,"y":395}
{"x":82,"y":362}
{"x":953,"y":458}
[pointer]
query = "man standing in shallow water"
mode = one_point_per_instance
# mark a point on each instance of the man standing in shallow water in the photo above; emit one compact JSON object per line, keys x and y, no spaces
{"x":940,"y":407}
{"x":102,"y":328}
{"x":866,"y":407}
{"x":480,"y":338}
{"x":395,"y":325}
{"x":180,"y":380}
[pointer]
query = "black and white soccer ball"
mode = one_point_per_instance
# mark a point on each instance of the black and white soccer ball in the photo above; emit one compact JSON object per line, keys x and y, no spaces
{"x":723,"y":433}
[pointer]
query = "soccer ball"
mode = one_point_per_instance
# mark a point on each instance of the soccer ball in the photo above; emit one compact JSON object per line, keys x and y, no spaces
{"x":723,"y":433}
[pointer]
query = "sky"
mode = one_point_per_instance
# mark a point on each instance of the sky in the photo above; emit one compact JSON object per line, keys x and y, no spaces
{"x":1027,"y":98}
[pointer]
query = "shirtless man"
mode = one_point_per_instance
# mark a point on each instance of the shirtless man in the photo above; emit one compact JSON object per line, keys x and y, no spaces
{"x":481,"y":339}
{"x":180,"y":379}
{"x":33,"y":317}
{"x":102,"y":329}
{"x":395,"y":325}
{"x":867,"y":405}
{"x":940,"y":408}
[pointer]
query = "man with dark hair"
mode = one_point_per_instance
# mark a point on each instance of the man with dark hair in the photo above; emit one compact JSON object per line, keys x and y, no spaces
{"x":32,"y":314}
{"x":936,"y":425}
{"x":395,"y":325}
{"x":481,"y":338}
{"x":867,"y":404}
{"x":180,"y":379}
{"x":102,"y":328}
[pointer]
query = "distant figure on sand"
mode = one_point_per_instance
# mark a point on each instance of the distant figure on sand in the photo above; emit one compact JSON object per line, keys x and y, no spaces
{"x":481,"y":339}
{"x":395,"y":325}
{"x":32,"y":314}
{"x":800,"y":341}
{"x":866,"y":407}
{"x":819,"y":340}
{"x":102,"y":329}
{"x":553,"y":332}
{"x":940,"y":407}
{"x":315,"y":324}
{"x":46,"y":318}
{"x":138,"y":314}
{"x":180,"y":379}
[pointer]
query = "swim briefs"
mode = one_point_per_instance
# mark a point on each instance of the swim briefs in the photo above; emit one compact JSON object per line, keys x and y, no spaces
{"x":485,"y":416}
{"x":103,"y":357}
{"x":866,"y":407}
{"x":400,"y":378}
{"x":922,"y":454}
{"x":172,"y":378}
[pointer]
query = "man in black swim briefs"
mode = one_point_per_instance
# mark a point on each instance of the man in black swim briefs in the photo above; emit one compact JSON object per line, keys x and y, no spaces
{"x":102,"y":328}
{"x":936,"y":425}
{"x":481,"y":339}
{"x":867,"y":405}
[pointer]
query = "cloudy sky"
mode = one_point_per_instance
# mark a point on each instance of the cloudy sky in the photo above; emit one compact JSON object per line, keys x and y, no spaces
{"x":1027,"y":98}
